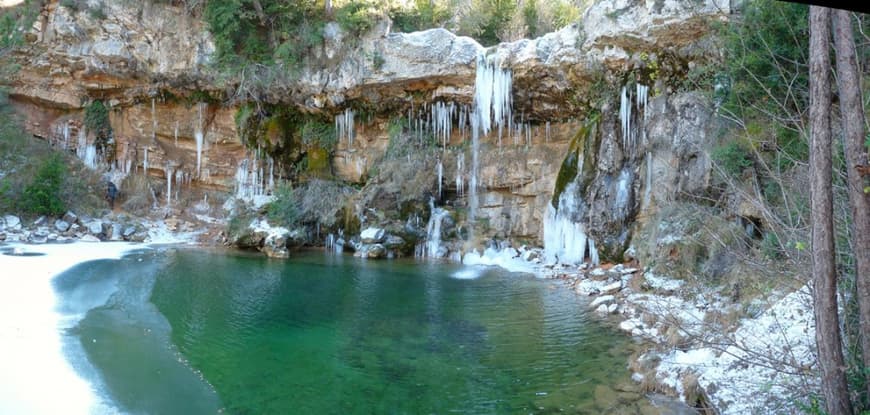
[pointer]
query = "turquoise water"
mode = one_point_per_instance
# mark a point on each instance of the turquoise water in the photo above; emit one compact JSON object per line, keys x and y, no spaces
{"x":188,"y":331}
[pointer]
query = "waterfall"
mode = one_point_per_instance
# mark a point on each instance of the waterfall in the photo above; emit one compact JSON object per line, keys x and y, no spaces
{"x":432,"y":247}
{"x":344,"y":126}
{"x":475,"y":166}
{"x":198,"y":136}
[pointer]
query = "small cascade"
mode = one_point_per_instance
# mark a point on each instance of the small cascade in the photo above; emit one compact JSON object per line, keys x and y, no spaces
{"x":432,"y":247}
{"x":475,"y":167}
{"x":198,"y":135}
{"x":344,"y":126}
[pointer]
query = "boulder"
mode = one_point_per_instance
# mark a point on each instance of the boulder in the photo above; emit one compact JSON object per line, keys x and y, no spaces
{"x":394,"y":242}
{"x":61,"y":225}
{"x":612,"y":288}
{"x":372,"y":235}
{"x":116,"y":234}
{"x":12,"y":222}
{"x":128,"y":232}
{"x":70,"y":217}
{"x":275,"y":244}
{"x":95,"y":227}
{"x":375,"y":251}
{"x":40,"y":221}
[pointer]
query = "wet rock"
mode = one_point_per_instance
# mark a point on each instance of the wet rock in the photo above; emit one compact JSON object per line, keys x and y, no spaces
{"x":128,"y":232}
{"x":139,"y":236}
{"x":376,"y":251}
{"x":2,"y":236}
{"x":61,"y":225}
{"x":275,"y":244}
{"x":297,"y":238}
{"x":372,"y":236}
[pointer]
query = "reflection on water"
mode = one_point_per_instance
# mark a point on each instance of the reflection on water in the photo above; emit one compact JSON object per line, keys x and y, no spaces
{"x":326,"y":334}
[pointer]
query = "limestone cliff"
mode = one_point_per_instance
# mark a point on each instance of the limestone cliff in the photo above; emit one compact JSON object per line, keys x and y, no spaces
{"x":173,"y":116}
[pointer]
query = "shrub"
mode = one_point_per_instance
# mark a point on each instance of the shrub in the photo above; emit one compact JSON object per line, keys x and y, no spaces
{"x":43,"y":194}
{"x":284,"y":210}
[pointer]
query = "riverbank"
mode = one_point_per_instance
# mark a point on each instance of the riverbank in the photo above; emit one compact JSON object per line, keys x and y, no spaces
{"x":722,"y":356}
{"x":38,"y":378}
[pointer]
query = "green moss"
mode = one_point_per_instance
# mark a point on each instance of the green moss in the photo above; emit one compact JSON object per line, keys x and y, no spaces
{"x":581,"y":148}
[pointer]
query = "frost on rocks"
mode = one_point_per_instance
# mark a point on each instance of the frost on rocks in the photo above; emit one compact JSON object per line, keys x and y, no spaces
{"x":764,"y":369}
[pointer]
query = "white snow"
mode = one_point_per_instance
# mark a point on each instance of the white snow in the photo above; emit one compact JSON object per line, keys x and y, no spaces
{"x":36,"y":376}
{"x":765,"y":367}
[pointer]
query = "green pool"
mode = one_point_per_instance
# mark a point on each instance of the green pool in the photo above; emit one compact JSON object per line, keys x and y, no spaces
{"x":191,"y":331}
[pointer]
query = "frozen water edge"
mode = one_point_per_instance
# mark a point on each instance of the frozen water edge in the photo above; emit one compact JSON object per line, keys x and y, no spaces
{"x":37,"y":377}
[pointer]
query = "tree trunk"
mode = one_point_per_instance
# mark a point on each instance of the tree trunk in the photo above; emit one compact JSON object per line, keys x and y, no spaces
{"x":852,"y":111}
{"x":828,"y":339}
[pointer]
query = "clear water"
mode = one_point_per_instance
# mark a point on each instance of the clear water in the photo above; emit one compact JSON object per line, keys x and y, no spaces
{"x":185,"y":331}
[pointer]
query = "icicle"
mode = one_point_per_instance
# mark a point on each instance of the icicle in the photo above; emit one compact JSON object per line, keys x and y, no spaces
{"x":460,"y":188}
{"x":168,"y":185}
{"x":199,"y":136}
{"x":176,"y":132}
{"x":145,"y":163}
{"x":548,"y":132}
{"x":344,"y":127}
{"x":625,"y":119}
{"x":566,"y":241}
{"x":153,"y":119}
{"x":492,"y":95}
{"x":440,"y":176}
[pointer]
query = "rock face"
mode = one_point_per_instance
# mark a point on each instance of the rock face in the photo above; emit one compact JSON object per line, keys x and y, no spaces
{"x":148,"y":62}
